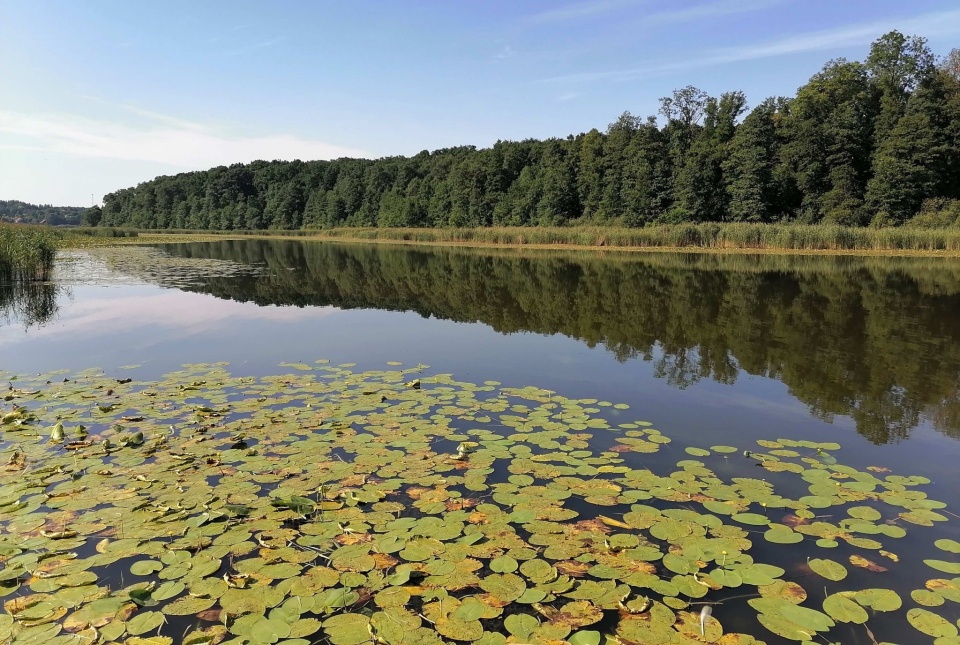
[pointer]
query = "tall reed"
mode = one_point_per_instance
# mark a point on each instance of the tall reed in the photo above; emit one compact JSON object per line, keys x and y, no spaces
{"x":818,"y":237}
{"x":711,"y":235}
{"x":27,"y":252}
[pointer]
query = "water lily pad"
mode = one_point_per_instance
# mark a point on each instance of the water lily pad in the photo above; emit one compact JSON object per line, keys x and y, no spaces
{"x":784,"y":590}
{"x":521,"y":625}
{"x":782,"y":535}
{"x":754,"y":519}
{"x":952,"y":568}
{"x":188,"y":605}
{"x":504,"y":564}
{"x":828,"y":569}
{"x":507,"y":587}
{"x":584,"y":637}
{"x":927,"y":598}
{"x":145,"y":567}
{"x":809,"y":619}
{"x":878,"y":599}
{"x":931,"y":624}
{"x":841,"y":608}
{"x":269,"y":630}
{"x":347,"y":629}
{"x":144,"y":622}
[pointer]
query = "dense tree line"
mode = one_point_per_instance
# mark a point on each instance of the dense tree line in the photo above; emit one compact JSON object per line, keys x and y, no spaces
{"x":875,"y":340}
{"x":862,"y":142}
{"x":24,"y":213}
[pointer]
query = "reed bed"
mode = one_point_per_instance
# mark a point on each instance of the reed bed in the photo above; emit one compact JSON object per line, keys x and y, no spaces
{"x":27,"y":252}
{"x":103,"y":231}
{"x":705,"y":236}
{"x":770,"y":237}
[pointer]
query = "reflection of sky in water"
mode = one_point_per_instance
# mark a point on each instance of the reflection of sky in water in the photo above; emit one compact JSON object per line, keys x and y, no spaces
{"x":124,"y":309}
{"x":159,"y":329}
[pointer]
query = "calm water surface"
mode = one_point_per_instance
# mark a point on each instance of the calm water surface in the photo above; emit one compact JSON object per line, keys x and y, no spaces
{"x":711,"y":349}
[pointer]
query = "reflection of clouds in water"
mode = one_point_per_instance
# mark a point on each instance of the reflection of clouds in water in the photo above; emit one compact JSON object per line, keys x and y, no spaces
{"x":180,"y":312}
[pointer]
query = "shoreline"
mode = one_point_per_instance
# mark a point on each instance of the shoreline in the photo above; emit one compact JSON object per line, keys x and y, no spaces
{"x":184,"y":238}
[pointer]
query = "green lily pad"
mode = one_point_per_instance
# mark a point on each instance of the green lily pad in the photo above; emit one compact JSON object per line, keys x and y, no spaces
{"x":828,"y":569}
{"x":584,"y":637}
{"x":144,"y":622}
{"x":807,"y":618}
{"x":521,"y":625}
{"x":841,"y":608}
{"x":952,"y":568}
{"x":145,"y":567}
{"x":347,"y":629}
{"x":507,"y":587}
{"x":931,"y":624}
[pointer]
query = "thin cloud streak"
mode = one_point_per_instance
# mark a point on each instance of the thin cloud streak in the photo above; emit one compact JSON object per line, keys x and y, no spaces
{"x":256,"y":46}
{"x":165,"y":140}
{"x":699,"y":12}
{"x":580,"y":10}
{"x":689,"y":14}
{"x":941,"y":24}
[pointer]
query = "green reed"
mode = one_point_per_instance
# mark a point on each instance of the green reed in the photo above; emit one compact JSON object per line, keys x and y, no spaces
{"x":706,"y":236}
{"x":27,"y":252}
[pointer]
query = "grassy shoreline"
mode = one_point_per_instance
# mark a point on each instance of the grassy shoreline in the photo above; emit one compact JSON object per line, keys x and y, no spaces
{"x":722,"y":238}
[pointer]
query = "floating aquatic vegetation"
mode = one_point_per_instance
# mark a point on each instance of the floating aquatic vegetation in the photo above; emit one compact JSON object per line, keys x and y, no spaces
{"x":353,"y":507}
{"x":138,"y":264}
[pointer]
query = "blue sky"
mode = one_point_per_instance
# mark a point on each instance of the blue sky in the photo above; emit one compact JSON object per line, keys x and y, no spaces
{"x":102,"y":94}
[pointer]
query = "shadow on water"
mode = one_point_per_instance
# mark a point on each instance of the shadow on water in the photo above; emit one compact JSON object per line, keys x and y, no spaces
{"x":875,"y":339}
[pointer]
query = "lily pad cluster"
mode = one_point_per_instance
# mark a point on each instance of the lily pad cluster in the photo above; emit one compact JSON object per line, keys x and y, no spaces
{"x":401,"y":507}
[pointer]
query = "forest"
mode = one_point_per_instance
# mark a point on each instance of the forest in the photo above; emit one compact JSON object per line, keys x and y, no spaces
{"x":24,"y":213}
{"x":861,"y":143}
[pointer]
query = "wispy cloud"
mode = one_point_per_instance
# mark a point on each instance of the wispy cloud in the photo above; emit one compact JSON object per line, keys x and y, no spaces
{"x":580,"y":10}
{"x":567,"y":96}
{"x":506,"y":52}
{"x":939,"y":24}
{"x":942,"y":23}
{"x":161,"y":118}
{"x":263,"y":44}
{"x":686,"y":14}
{"x":158,"y":138}
{"x":709,"y":10}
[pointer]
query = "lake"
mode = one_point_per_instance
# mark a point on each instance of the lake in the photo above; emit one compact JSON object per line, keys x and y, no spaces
{"x":663,"y":364}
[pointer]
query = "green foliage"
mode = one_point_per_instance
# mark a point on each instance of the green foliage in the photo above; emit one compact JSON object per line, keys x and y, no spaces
{"x":918,"y":158}
{"x":92,"y":216}
{"x":937,"y":213}
{"x":860,"y":142}
{"x":24,"y":213}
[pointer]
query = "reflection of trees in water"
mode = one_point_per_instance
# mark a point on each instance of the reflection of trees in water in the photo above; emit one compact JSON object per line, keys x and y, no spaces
{"x":28,"y":303}
{"x":876,"y":339}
